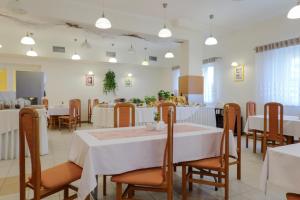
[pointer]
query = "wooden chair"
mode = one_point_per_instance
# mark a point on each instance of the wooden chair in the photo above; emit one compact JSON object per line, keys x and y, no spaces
{"x":90,"y":108}
{"x":124,"y":115}
{"x":70,"y":120}
{"x":50,"y":181}
{"x":292,"y":196}
{"x":95,"y":102}
{"x":215,"y":167}
{"x":273,"y":126}
{"x":234,"y":118}
{"x":163,"y":108}
{"x":251,"y":111}
{"x":78,"y":110}
{"x":158,"y":179}
{"x":45,"y":102}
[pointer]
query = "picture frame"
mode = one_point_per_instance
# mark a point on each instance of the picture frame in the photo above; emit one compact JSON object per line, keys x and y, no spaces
{"x":89,"y":80}
{"x":239,"y":73}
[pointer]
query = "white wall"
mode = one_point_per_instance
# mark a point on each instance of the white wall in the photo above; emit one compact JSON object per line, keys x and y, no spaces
{"x":240,"y":47}
{"x":65,"y":79}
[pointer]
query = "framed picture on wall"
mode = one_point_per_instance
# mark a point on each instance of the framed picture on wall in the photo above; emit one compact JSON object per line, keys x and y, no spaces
{"x":89,"y":80}
{"x":239,"y":73}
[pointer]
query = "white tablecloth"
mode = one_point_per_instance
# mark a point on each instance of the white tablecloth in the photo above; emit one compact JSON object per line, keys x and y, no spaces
{"x":114,"y":156}
{"x":291,"y":124}
{"x":103,"y":117}
{"x":9,"y":133}
{"x":281,"y":168}
{"x":58,"y":110}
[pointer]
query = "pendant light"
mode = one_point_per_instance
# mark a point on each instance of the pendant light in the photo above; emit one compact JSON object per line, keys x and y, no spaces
{"x":165,"y":32}
{"x":113,"y":59}
{"x":103,"y":22}
{"x":27,"y":39}
{"x":131,"y":50}
{"x":145,"y":61}
{"x":75,"y":56}
{"x":31,"y":53}
{"x":211,"y":40}
{"x":1,"y":46}
{"x":294,"y":13}
{"x":169,"y":55}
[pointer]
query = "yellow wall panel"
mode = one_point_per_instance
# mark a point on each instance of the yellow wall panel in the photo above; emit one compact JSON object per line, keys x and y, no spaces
{"x":3,"y":80}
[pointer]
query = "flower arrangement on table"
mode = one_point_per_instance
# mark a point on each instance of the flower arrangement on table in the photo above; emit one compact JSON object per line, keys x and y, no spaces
{"x":164,"y":95}
{"x":137,"y":101}
{"x":150,"y":100}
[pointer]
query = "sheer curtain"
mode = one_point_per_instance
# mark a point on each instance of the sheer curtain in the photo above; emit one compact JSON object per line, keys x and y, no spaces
{"x":175,"y":79}
{"x":278,"y":76}
{"x":212,"y":80}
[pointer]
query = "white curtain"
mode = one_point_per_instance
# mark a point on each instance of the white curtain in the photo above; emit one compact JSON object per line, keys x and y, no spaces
{"x":175,"y":80}
{"x":211,"y":73}
{"x":278,"y":76}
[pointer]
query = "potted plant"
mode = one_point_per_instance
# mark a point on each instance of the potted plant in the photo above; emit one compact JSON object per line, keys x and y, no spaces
{"x":150,"y":100}
{"x":109,"y":82}
{"x":164,"y":95}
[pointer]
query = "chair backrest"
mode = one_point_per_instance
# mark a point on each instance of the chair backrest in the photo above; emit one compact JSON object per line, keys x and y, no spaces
{"x":95,"y":102}
{"x":78,"y":105}
{"x":250,"y":109}
{"x":234,"y":118}
{"x":73,"y":108}
{"x":273,"y":116}
{"x":224,"y":147}
{"x":168,"y":153}
{"x":163,"y":110}
{"x":29,"y":131}
{"x":45,"y":102}
{"x":89,"y":107}
{"x":124,"y":115}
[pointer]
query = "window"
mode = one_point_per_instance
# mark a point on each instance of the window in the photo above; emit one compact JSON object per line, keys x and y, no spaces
{"x":209,"y":89}
{"x":278,"y":76}
{"x":175,"y":80}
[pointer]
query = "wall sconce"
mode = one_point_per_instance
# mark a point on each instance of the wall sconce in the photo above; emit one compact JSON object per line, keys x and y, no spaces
{"x":90,"y":79}
{"x":234,"y":64}
{"x":128,"y":80}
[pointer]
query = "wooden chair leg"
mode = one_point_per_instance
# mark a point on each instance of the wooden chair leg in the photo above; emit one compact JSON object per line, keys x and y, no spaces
{"x":226,"y":187}
{"x":104,"y":185}
{"x":254,"y":141}
{"x":183,"y":187}
{"x":131,"y":194}
{"x":66,"y":193}
{"x":88,"y":197}
{"x":119,"y":191}
{"x":190,"y":177}
{"x":247,"y":140}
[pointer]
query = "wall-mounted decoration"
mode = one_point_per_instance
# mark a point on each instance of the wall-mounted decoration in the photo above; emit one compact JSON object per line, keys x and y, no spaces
{"x":239,"y":73}
{"x":128,"y":80}
{"x":109,"y":82}
{"x":89,"y":80}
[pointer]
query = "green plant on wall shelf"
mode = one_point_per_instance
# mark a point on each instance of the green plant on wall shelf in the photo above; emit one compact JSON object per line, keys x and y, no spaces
{"x":109,"y":82}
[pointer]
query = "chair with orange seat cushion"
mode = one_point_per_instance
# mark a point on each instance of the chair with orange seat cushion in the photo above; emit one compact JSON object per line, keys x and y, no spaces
{"x":158,"y":179}
{"x":234,"y":118}
{"x":215,"y":167}
{"x":163,"y":108}
{"x":124,"y":115}
{"x":292,"y":196}
{"x":50,"y":181}
{"x":70,"y":120}
{"x":273,"y":126}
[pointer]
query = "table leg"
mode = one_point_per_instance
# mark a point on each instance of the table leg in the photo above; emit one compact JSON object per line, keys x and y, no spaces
{"x":95,"y":192}
{"x":254,"y":141}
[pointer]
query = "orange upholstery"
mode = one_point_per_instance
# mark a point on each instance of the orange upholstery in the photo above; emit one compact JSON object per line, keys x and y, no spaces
{"x":292,"y":196}
{"x":210,"y":163}
{"x":163,"y":109}
{"x":124,"y":115}
{"x":145,"y":177}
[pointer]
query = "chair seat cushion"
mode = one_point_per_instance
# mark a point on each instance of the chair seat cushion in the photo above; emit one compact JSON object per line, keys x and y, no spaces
{"x":145,"y":177}
{"x":60,"y":175}
{"x":209,"y":163}
{"x":291,"y":196}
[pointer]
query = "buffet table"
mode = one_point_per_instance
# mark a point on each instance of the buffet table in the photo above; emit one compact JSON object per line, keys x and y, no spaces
{"x":9,"y":133}
{"x":103,"y":117}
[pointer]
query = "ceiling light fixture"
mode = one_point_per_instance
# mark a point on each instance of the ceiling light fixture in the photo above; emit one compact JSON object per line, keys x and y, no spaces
{"x":1,"y":46}
{"x":145,"y":61}
{"x":294,"y":13}
{"x":211,"y":40}
{"x":27,"y":39}
{"x":129,"y":74}
{"x":103,"y":22}
{"x":169,"y":55}
{"x":234,"y":64}
{"x":165,"y":32}
{"x":90,"y":73}
{"x":131,"y":50}
{"x":75,"y":56}
{"x":31,"y":53}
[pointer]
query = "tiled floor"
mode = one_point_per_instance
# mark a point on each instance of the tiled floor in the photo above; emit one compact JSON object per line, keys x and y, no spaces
{"x":59,"y":143}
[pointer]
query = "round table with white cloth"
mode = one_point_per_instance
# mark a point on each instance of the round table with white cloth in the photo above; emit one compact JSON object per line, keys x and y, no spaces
{"x":103,"y":117}
{"x":58,"y":110}
{"x":9,"y":133}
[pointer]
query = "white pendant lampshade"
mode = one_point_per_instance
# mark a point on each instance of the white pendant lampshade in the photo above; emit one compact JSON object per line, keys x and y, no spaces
{"x":145,"y":63}
{"x":169,"y":55}
{"x":234,"y":64}
{"x":31,"y":53}
{"x":294,"y":13}
{"x":1,"y":46}
{"x":103,"y":23}
{"x":165,"y":32}
{"x":211,"y":41}
{"x":76,"y":56}
{"x":27,"y":40}
{"x":112,"y":60}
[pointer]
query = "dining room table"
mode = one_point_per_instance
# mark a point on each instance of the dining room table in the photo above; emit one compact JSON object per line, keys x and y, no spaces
{"x":281,"y":169}
{"x":118,"y":150}
{"x":54,"y":112}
